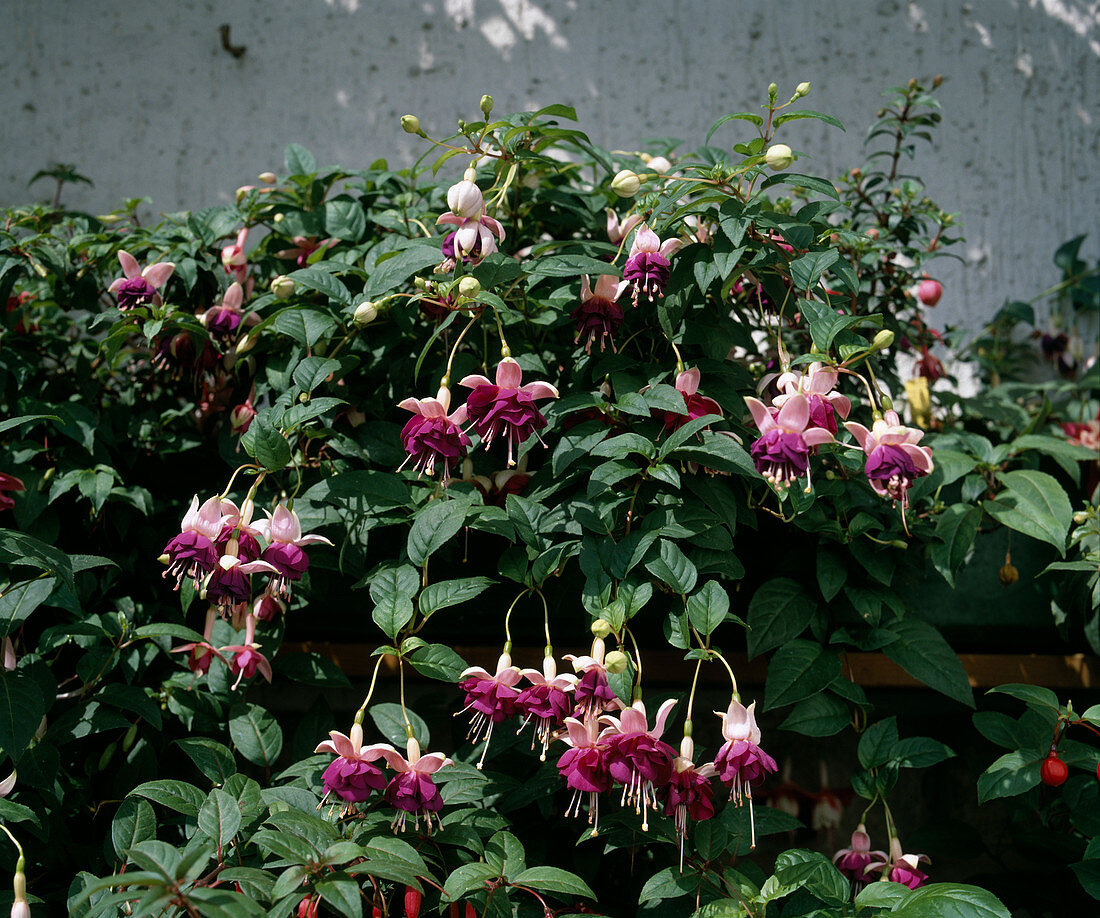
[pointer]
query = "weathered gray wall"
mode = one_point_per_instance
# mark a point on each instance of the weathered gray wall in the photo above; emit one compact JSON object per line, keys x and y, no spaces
{"x":141,"y":96}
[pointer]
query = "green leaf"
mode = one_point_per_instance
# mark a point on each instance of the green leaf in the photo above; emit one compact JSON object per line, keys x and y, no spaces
{"x":434,"y":526}
{"x":299,"y":161}
{"x":956,"y":529}
{"x":134,"y":822}
{"x":313,"y":371}
{"x":1088,"y":875}
{"x":798,"y":670}
{"x":389,"y":273}
{"x":819,"y":715}
{"x":1035,"y":504}
{"x":176,"y":795}
{"x":877,"y":743}
{"x":950,"y":900}
{"x":9,"y":423}
{"x":779,"y":611}
{"x":310,"y":669}
{"x":467,"y":879}
{"x":342,"y":893}
{"x":219,"y":817}
{"x":882,"y":893}
{"x":708,"y":608}
{"x":567,"y":266}
{"x":436,"y":596}
{"x":810,"y":182}
{"x":806,"y":270}
{"x":390,"y":722}
{"x":673,"y":568}
{"x":19,"y":601}
{"x":923,"y":653}
{"x":1035,"y":696}
{"x":553,"y":880}
{"x":255,"y":733}
{"x":316,"y":278}
{"x":21,"y":710}
{"x":831,"y":573}
{"x":306,"y":326}
{"x":19,"y":548}
{"x":814,"y":872}
{"x":345,"y":219}
{"x":266,"y":445}
{"x":438,"y":661}
{"x":1012,"y":774}
{"x":920,"y":752}
{"x":212,"y":758}
{"x":392,"y":591}
{"x":668,"y":883}
{"x":806,"y":113}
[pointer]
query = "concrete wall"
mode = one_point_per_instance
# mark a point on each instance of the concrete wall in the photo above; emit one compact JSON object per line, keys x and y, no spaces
{"x":141,"y":96}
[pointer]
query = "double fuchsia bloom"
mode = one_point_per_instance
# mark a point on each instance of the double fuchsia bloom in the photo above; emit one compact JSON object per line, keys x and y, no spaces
{"x":817,"y":385}
{"x":647,"y":268}
{"x":782,"y":452}
{"x":351,"y":776}
{"x":192,"y":553}
{"x":223,"y":320}
{"x":432,"y":436}
{"x":476,"y":231}
{"x":136,"y":287}
{"x":584,"y":768}
{"x":636,"y":757}
{"x":506,"y":407}
{"x":599,"y":317}
{"x":282,"y":531}
{"x":894,"y":460}
{"x":546,"y":703}
{"x":228,"y":586}
{"x":697,"y":406}
{"x":902,"y":868}
{"x":413,"y":790}
{"x":688,"y":795}
{"x":593,"y":694}
{"x":741,"y":762}
{"x":854,"y":861}
{"x":234,"y":527}
{"x":491,"y":698}
{"x":233,"y":257}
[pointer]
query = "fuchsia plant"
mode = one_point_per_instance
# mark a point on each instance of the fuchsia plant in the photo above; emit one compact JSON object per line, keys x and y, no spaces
{"x":139,"y":287}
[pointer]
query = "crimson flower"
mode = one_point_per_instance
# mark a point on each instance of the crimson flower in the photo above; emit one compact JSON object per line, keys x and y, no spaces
{"x":492,"y":698}
{"x":9,"y":483}
{"x":688,"y":795}
{"x":506,"y":407}
{"x":636,"y":757}
{"x":547,"y":702}
{"x":854,"y":861}
{"x":432,"y":436}
{"x":599,"y":316}
{"x":584,"y":767}
{"x":696,"y":405}
{"x":412,"y":790}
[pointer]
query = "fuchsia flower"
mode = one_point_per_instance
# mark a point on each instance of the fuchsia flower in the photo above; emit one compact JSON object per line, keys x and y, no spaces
{"x":223,"y":320}
{"x":647,"y":268}
{"x":200,"y":654}
{"x":506,"y":407}
{"x":412,"y":790}
{"x":854,"y":861}
{"x":9,"y":483}
{"x":247,"y":659}
{"x":687,"y":384}
{"x":137,"y":287}
{"x":598,"y":317}
{"x":741,"y":762}
{"x":233,"y":257}
{"x":593,"y":694}
{"x":893,"y":458}
{"x":817,"y":385}
{"x":304,"y":246}
{"x":282,"y":531}
{"x":228,"y":584}
{"x":617,"y":233}
{"x":782,"y":452}
{"x":636,"y":757}
{"x":351,"y":776}
{"x":688,"y":795}
{"x":547,"y":702}
{"x":477,"y":233}
{"x":268,"y":606}
{"x":432,"y":436}
{"x":238,"y":525}
{"x":902,"y":868}
{"x":491,"y":698}
{"x":584,"y":767}
{"x":192,"y":552}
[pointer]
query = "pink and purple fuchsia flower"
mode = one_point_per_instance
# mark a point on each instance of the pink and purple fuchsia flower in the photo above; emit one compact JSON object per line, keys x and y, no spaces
{"x":688,"y":796}
{"x":599,"y":316}
{"x":854,"y":861}
{"x":492,"y":698}
{"x":477,"y":233}
{"x":282,"y":531}
{"x":413,"y":791}
{"x":696,"y":405}
{"x":192,"y":553}
{"x":741,"y":762}
{"x":584,"y":767}
{"x":506,"y":407}
{"x":647,"y":267}
{"x":546,"y":702}
{"x":894,"y":461}
{"x":137,"y":287}
{"x":352,"y":776}
{"x":223,"y":320}
{"x":432,"y":437}
{"x":817,"y":385}
{"x":636,"y":757}
{"x":782,"y":452}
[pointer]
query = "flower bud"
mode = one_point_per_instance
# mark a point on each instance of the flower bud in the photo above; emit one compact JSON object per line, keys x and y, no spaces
{"x":1080,"y":517}
{"x":365,"y":313}
{"x":601,"y":628}
{"x":615,"y":662}
{"x":245,"y":344}
{"x":1008,"y":574}
{"x":937,"y":81}
{"x":778,"y":156}
{"x":469,"y":286}
{"x":465,"y":198}
{"x":929,"y":292}
{"x":268,"y":178}
{"x":240,"y":418}
{"x":241,"y":192}
{"x":486,"y":105}
{"x":687,"y":747}
{"x":356,"y":736}
{"x":283,"y":287}
{"x":802,"y":89}
{"x":882,"y":340}
{"x":626,"y":183}
{"x":410,"y":124}
{"x":773,"y":91}
{"x":278,"y":218}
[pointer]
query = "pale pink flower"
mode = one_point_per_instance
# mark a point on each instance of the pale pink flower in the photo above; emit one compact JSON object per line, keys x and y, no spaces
{"x":304,"y":246}
{"x":894,"y":460}
{"x":282,"y":531}
{"x":412,"y":790}
{"x":137,"y":287}
{"x":233,"y":257}
{"x":617,"y":233}
{"x":782,"y":452}
{"x":477,"y":233}
{"x":506,"y":407}
{"x":432,"y":436}
{"x":817,"y":385}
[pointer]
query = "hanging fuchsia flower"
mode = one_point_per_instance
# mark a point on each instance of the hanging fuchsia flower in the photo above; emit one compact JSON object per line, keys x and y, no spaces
{"x":412,"y":790}
{"x":268,"y":607}
{"x":894,"y":460}
{"x":593,"y":694}
{"x":432,"y":436}
{"x":192,"y":553}
{"x":200,"y":654}
{"x":687,"y":384}
{"x":228,"y":584}
{"x":282,"y":531}
{"x":352,"y":776}
{"x":304,"y":246}
{"x":475,"y":228}
{"x":238,"y":525}
{"x":247,"y":659}
{"x":617,"y":233}
{"x":137,"y":287}
{"x":782,"y":452}
{"x":506,"y":407}
{"x":584,"y":767}
{"x":223,"y":320}
{"x":9,"y":483}
{"x":854,"y":861}
{"x":233,"y":257}
{"x":902,"y":868}
{"x":647,"y":268}
{"x":492,"y":698}
{"x":688,"y":796}
{"x":599,"y":317}
{"x":741,"y":762}
{"x":547,"y":702}
{"x":817,"y":385}
{"x":636,"y":757}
